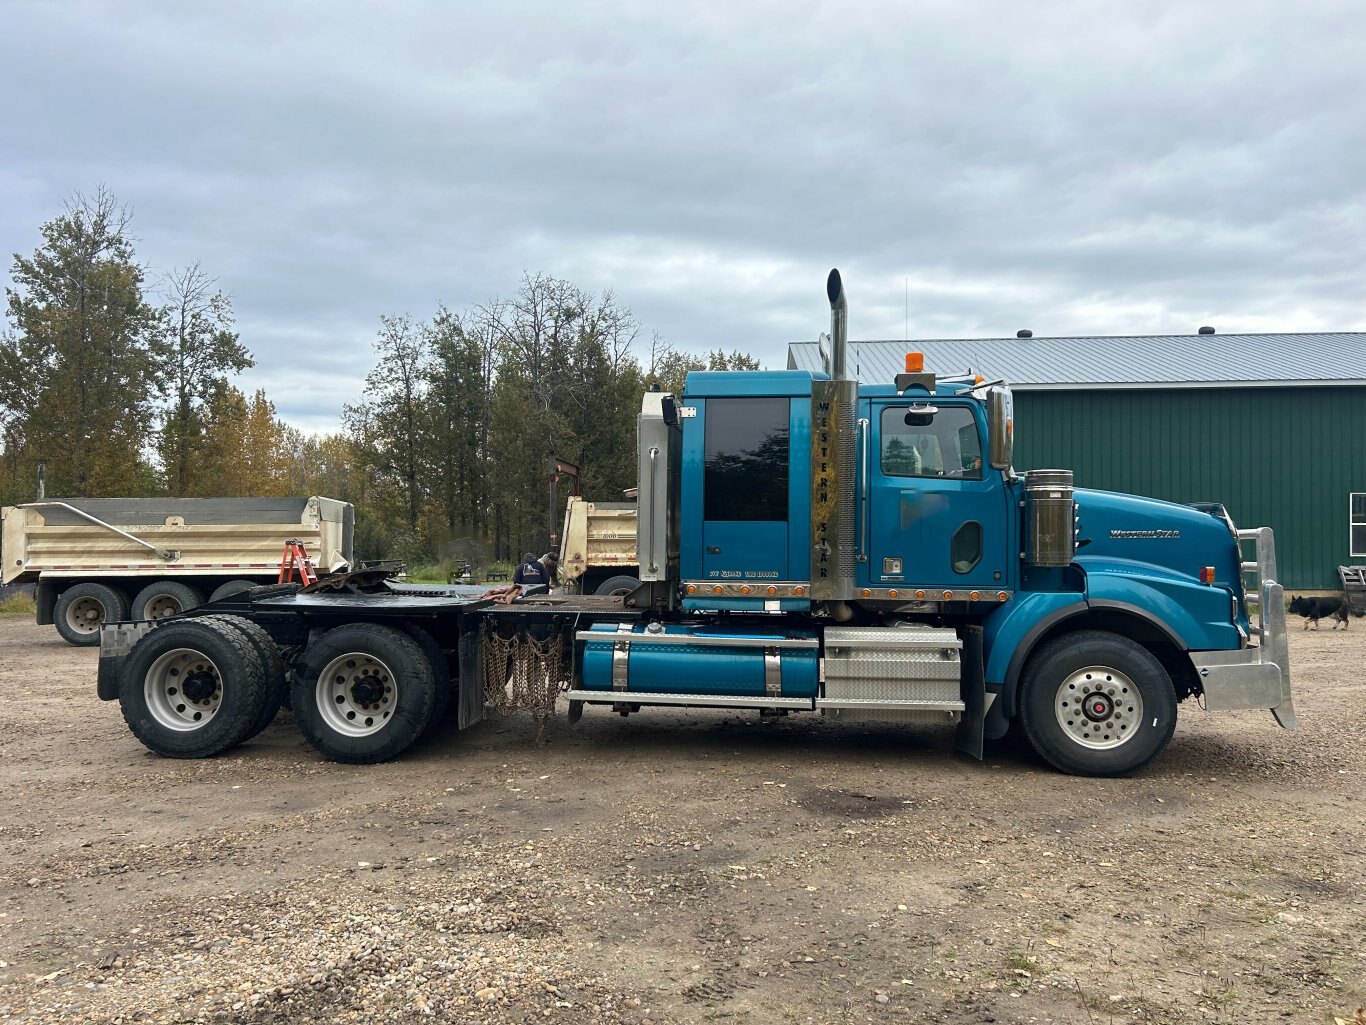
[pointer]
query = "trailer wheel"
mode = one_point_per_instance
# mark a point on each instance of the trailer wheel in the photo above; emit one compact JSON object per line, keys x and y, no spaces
{"x":164,"y":599}
{"x":1097,"y":704}
{"x":191,"y":688}
{"x":618,"y":586}
{"x":275,"y":693}
{"x":232,"y":587}
{"x":363,"y":693}
{"x":83,"y":608}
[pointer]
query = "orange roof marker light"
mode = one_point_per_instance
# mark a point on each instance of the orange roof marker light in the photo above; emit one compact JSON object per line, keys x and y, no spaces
{"x":915,"y":362}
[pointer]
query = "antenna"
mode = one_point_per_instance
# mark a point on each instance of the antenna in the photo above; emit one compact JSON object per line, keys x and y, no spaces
{"x":906,"y":329}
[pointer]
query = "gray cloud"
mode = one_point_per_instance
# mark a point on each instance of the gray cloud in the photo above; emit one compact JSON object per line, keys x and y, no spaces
{"x":1076,"y":168}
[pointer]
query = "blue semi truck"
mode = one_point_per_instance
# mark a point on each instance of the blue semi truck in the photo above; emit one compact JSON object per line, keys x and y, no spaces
{"x":805,"y":544}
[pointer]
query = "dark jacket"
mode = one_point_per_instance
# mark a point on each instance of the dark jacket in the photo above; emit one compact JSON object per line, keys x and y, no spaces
{"x":532,"y":573}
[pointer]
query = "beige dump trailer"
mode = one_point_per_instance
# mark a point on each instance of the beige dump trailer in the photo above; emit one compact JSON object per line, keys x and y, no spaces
{"x":109,"y":559}
{"x":598,"y":550}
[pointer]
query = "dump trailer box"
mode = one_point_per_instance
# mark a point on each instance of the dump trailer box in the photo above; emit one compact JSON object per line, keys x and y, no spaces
{"x":105,"y":554}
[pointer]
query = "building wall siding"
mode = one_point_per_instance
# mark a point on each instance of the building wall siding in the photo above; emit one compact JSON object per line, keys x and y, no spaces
{"x":1287,"y":458}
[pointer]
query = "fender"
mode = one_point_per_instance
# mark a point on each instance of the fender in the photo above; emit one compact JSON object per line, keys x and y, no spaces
{"x":1013,"y":630}
{"x":1196,"y":616}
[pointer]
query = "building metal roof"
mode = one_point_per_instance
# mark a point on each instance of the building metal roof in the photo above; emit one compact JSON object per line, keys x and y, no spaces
{"x":1138,"y":361}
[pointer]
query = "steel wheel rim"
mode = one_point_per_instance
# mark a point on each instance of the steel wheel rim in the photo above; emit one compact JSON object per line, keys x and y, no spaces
{"x":1098,"y":707}
{"x":356,"y":694}
{"x":183,"y":690}
{"x":161,"y":606}
{"x":85,"y":614}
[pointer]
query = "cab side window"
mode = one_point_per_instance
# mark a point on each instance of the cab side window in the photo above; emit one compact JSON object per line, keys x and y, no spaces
{"x":948,"y":445}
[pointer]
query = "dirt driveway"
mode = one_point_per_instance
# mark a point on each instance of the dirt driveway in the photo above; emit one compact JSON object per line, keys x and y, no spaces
{"x":680,"y":867}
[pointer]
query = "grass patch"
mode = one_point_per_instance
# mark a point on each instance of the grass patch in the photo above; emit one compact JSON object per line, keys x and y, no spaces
{"x":18,"y":605}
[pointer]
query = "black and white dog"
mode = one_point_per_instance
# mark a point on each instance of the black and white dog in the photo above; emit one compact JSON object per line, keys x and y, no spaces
{"x":1314,"y":609}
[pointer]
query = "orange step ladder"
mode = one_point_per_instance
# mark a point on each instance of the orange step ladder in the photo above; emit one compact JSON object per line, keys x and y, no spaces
{"x":295,"y":561}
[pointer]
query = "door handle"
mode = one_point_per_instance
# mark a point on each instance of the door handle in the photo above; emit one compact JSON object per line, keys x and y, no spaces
{"x":712,"y":550}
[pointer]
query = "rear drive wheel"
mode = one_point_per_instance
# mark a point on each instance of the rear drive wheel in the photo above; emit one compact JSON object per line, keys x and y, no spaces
{"x":83,"y":608}
{"x":441,"y":676}
{"x":276,"y":686}
{"x":618,"y":586}
{"x":363,"y":693}
{"x":191,"y":688}
{"x":164,"y":599}
{"x":1097,"y":704}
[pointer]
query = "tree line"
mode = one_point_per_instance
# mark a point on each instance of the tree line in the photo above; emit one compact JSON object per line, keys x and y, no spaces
{"x":121,"y":387}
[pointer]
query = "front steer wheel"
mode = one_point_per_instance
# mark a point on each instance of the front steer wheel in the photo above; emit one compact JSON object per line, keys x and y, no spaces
{"x":1097,"y":704}
{"x":363,"y":693}
{"x":192,"y":688}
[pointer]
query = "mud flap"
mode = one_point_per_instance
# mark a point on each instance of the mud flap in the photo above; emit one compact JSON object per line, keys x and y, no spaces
{"x":471,"y":694}
{"x":969,"y":738}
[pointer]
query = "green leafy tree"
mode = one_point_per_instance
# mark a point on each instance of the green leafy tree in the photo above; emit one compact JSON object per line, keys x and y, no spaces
{"x":80,"y":367}
{"x":202,"y":351}
{"x":388,"y":428}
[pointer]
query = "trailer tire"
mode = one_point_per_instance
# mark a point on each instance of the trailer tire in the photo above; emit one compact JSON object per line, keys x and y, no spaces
{"x":1095,"y":703}
{"x":191,"y":688}
{"x":363,"y":693}
{"x":619,"y":586}
{"x":165,"y":598}
{"x":232,"y":587}
{"x":275,"y":693}
{"x":83,"y":608}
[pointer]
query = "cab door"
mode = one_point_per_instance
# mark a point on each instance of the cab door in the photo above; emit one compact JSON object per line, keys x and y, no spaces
{"x":936,"y":515}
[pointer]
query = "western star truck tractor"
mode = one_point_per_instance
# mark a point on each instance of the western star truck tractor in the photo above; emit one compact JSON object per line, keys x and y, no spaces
{"x":804,"y":544}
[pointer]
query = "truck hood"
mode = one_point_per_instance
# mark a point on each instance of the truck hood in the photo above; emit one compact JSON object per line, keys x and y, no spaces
{"x":1148,"y":531}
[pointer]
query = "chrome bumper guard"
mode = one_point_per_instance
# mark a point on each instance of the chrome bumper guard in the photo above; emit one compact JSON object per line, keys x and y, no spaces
{"x":1255,"y":677}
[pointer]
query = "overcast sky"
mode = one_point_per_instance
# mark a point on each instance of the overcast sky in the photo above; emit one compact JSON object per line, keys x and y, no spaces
{"x":1072,"y":167}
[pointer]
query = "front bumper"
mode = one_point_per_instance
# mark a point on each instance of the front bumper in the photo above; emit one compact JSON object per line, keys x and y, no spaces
{"x":1255,"y":677}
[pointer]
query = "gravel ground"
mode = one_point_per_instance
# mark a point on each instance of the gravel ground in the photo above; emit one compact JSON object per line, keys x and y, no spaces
{"x":679,"y":867}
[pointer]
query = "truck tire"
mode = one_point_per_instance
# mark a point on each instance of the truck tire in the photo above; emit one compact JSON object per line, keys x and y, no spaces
{"x":232,"y":587}
{"x":441,"y":675}
{"x":363,"y":693}
{"x":165,"y":598}
{"x":83,"y":608}
{"x":276,"y":691}
{"x":1095,"y":703}
{"x":618,"y":586}
{"x":191,"y":688}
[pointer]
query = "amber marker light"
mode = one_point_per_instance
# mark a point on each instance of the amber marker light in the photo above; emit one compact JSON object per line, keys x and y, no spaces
{"x":915,"y":362}
{"x":1001,"y":596}
{"x":692,"y":588}
{"x":772,"y":589}
{"x":717,"y":589}
{"x":865,"y":593}
{"x":948,"y":596}
{"x":744,"y":589}
{"x":975,"y":595}
{"x":891,"y":593}
{"x":799,"y":591}
{"x":920,"y":594}
{"x":1207,"y":575}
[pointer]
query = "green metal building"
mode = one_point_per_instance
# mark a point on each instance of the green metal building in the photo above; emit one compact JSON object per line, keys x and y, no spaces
{"x":1271,"y":425}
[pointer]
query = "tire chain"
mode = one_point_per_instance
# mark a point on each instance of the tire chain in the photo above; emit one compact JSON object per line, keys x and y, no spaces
{"x":522,"y":673}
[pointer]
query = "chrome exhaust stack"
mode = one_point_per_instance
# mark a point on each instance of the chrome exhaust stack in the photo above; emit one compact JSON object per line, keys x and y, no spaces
{"x":838,"y":368}
{"x":833,"y":461}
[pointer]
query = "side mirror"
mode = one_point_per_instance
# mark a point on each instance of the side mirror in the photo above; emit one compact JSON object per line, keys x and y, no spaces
{"x":1000,"y":427}
{"x":669,"y":408}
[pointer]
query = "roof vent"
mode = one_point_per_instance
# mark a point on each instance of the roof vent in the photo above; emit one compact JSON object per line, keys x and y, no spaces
{"x":1024,"y":332}
{"x":1207,"y":330}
